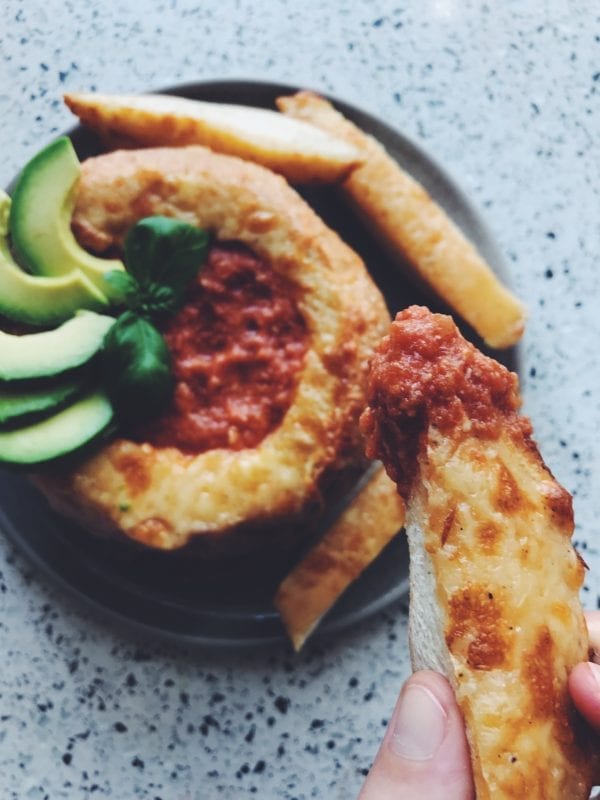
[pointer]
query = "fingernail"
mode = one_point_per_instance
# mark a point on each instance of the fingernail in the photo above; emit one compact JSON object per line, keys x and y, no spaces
{"x":595,"y":673}
{"x":420,"y":725}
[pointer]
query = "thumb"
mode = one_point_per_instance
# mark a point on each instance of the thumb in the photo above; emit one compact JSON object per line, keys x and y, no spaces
{"x":424,"y":752}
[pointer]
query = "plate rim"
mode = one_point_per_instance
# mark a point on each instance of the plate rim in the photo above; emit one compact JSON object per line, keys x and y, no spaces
{"x":330,"y":623}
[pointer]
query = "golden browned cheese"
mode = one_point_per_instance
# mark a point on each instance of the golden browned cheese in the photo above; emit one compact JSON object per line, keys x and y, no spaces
{"x":162,"y":496}
{"x":406,"y":218}
{"x":365,"y":527}
{"x":297,"y":150}
{"x":490,"y":524}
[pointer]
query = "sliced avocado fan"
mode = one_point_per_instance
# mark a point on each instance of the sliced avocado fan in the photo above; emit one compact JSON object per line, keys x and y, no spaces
{"x":40,"y":355}
{"x":38,"y":300}
{"x":19,"y":406}
{"x":68,"y":430}
{"x":40,"y":217}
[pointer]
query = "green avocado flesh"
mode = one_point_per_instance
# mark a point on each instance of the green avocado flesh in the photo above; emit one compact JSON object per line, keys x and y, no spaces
{"x":43,"y":301}
{"x":40,"y":217}
{"x":18,"y":406}
{"x":39,"y":355}
{"x":38,"y":300}
{"x":68,"y":430}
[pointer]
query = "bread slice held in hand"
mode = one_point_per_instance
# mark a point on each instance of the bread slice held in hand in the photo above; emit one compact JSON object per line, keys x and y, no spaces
{"x":495,"y":579}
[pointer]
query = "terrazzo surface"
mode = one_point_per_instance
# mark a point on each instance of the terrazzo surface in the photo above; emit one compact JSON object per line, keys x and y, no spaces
{"x":505,"y":96}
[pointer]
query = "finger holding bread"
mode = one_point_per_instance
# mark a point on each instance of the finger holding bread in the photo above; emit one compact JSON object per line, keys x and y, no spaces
{"x":584,"y":681}
{"x":424,"y":752}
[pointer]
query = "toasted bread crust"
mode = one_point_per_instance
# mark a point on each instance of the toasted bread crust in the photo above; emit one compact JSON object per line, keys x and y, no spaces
{"x":413,"y":225}
{"x":160,"y":496}
{"x":496,"y":580}
{"x":297,"y":150}
{"x":356,"y":538}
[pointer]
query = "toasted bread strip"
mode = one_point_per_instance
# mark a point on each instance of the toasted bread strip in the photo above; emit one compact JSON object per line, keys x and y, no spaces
{"x":299,"y":151}
{"x":357,"y":537}
{"x":495,"y":579}
{"x":413,"y":225}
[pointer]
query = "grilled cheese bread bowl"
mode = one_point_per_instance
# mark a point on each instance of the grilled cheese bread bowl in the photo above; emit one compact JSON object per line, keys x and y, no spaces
{"x":162,"y":495}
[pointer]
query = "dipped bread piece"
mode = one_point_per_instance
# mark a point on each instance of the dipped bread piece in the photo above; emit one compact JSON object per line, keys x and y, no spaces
{"x":495,"y":579}
{"x":416,"y":228}
{"x":270,"y":354}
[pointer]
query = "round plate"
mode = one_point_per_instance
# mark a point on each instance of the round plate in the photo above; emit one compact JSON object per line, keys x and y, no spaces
{"x":230,"y":602}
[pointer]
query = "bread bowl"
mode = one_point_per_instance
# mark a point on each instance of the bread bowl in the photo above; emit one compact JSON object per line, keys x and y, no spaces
{"x":163,"y":496}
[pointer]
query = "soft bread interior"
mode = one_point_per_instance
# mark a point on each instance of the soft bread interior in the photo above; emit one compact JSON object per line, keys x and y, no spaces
{"x":426,"y":622}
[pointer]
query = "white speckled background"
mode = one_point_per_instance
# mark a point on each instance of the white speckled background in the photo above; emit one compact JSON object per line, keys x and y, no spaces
{"x":505,"y":96}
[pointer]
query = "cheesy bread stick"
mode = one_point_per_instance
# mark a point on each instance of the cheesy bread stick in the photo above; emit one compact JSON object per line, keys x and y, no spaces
{"x":406,"y":218}
{"x":494,"y":578}
{"x":356,"y":538}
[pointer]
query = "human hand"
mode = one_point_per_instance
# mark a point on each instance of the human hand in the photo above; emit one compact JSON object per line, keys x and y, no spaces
{"x":424,"y":752}
{"x":584,"y":680}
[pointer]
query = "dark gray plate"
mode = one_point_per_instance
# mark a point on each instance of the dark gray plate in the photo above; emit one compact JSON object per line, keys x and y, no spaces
{"x":230,"y":603}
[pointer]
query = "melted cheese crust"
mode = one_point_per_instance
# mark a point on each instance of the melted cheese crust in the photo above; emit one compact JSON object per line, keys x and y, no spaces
{"x":495,"y":579}
{"x":497,"y":530}
{"x":357,"y":537}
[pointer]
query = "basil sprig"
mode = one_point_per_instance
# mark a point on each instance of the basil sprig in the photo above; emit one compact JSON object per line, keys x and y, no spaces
{"x":137,"y":367}
{"x":162,"y":256}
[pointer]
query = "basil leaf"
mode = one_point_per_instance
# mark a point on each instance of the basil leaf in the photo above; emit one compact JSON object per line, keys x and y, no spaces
{"x":159,"y":299}
{"x":165,"y":251}
{"x":162,"y":256}
{"x":124,"y":286}
{"x":137,"y":367}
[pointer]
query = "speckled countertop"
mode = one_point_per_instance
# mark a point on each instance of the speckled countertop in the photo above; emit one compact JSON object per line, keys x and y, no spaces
{"x":503,"y":95}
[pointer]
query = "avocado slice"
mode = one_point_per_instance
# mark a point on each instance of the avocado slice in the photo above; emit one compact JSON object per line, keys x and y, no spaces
{"x":39,"y":355}
{"x":68,"y":430}
{"x":40,"y":217}
{"x":21,"y":406}
{"x":37,"y":300}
